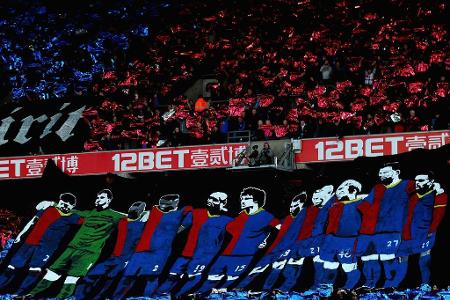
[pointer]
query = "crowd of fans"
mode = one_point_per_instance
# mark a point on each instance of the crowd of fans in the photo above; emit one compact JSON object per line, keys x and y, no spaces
{"x":9,"y":228}
{"x":281,"y":68}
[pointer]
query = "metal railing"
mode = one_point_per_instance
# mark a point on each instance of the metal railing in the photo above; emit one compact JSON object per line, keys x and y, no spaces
{"x":242,"y":136}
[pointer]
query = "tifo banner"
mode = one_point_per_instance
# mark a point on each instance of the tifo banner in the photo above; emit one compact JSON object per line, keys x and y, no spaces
{"x":371,"y":223}
{"x":90,"y":163}
{"x":54,"y":128}
{"x":351,"y":147}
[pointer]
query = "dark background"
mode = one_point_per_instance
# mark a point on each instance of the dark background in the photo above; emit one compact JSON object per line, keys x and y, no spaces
{"x":51,"y":143}
{"x":21,"y":196}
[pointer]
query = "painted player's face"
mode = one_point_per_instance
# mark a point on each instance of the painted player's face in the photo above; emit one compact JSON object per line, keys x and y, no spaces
{"x":169,"y":202}
{"x":136,"y":210}
{"x":423,"y":184}
{"x":65,"y":207}
{"x":247,"y":201}
{"x":297,"y":203}
{"x":102,"y":201}
{"x":388,"y":175}
{"x":216,"y":202}
{"x":342,"y":192}
{"x":322,"y":195}
{"x":348,"y":190}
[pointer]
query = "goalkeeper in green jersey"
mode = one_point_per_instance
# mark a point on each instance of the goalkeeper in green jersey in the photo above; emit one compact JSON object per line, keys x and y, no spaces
{"x":85,"y":248}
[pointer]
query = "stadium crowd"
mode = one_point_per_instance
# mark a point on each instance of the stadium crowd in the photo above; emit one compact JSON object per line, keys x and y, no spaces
{"x":9,"y":227}
{"x":281,"y":68}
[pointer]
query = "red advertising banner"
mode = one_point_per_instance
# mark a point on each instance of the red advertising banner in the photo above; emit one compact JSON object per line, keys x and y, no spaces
{"x":351,"y":147}
{"x":90,"y":163}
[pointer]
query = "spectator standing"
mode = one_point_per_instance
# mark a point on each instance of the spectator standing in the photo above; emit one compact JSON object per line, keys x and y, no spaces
{"x":266,"y":155}
{"x":369,"y":76}
{"x":216,"y":137}
{"x":177,"y":138}
{"x":339,"y":72}
{"x":438,"y":122}
{"x":326,"y":71}
{"x":253,"y":157}
{"x":303,"y":130}
{"x":252,"y":120}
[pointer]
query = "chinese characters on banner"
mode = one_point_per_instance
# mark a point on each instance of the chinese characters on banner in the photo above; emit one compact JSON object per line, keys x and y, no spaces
{"x":351,"y":147}
{"x":162,"y":159}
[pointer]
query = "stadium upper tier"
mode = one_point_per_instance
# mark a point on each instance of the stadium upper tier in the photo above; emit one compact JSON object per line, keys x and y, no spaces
{"x":281,"y":68}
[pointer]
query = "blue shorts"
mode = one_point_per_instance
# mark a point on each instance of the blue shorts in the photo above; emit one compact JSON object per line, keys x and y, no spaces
{"x":147,"y":263}
{"x":110,"y":268}
{"x":410,"y":247}
{"x":380,"y":243}
{"x":198,"y":263}
{"x":191,"y":266}
{"x":339,"y":249}
{"x":36,"y":256}
{"x":230,"y":265}
{"x":265,"y":260}
{"x":180,"y":265}
{"x":308,"y":247}
{"x":270,"y":258}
